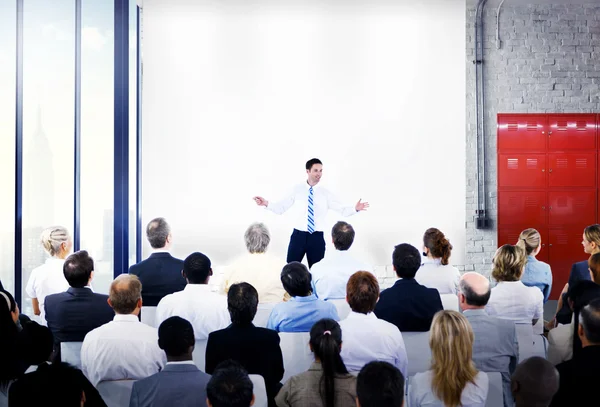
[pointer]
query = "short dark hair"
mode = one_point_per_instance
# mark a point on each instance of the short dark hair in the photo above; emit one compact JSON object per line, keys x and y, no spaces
{"x":589,"y":319}
{"x":343,"y":235}
{"x":242,"y":303}
{"x":296,"y":279}
{"x":537,"y":381}
{"x":380,"y":384}
{"x":362,"y":291}
{"x":312,"y":162}
{"x":157,"y":232}
{"x":230,"y":386}
{"x":78,"y":269}
{"x":471,"y":297}
{"x":176,"y":336}
{"x":36,"y":343}
{"x":406,"y":260}
{"x":196,"y":268}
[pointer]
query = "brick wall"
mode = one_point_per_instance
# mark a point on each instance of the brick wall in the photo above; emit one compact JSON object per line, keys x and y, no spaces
{"x":548,"y":61}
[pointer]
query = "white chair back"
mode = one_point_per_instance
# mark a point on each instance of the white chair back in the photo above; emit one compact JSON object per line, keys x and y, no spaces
{"x":199,"y":355}
{"x":342,"y":306}
{"x":495,"y":397}
{"x":70,"y":352}
{"x":3,"y":400}
{"x":417,"y":349}
{"x":525,"y":340}
{"x":260,"y":391}
{"x":116,"y":393}
{"x":450,"y":302}
{"x":262,"y":314}
{"x":297,"y":356}
{"x":148,"y":315}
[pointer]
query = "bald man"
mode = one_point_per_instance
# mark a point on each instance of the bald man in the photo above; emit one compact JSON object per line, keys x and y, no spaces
{"x":534,"y":383}
{"x":123,"y":348}
{"x":495,"y":348}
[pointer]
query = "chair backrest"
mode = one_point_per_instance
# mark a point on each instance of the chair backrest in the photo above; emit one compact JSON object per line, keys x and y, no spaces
{"x":417,"y":349}
{"x":525,"y":340}
{"x":3,"y":400}
{"x":148,"y":316}
{"x":70,"y":352}
{"x":116,"y":393}
{"x":262,"y":315}
{"x":297,"y":356}
{"x":450,"y":302}
{"x":495,"y":397}
{"x":342,"y":306}
{"x":199,"y":354}
{"x":260,"y":391}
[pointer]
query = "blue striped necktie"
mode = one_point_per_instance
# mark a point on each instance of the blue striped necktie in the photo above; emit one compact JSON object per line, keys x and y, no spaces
{"x":311,"y":212}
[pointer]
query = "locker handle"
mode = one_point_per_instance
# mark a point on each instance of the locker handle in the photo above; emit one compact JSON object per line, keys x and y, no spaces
{"x":550,"y":170}
{"x":543,"y":170}
{"x":550,"y":245}
{"x":543,"y":208}
{"x":550,"y":208}
{"x":550,"y":132}
{"x":543,"y":244}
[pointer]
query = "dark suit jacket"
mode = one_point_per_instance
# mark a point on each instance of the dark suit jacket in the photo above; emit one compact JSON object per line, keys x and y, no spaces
{"x":257,"y":349}
{"x":578,"y":379}
{"x":74,"y":313}
{"x":160,"y":275}
{"x":579,"y":272}
{"x":175,"y":385}
{"x":409,"y":305}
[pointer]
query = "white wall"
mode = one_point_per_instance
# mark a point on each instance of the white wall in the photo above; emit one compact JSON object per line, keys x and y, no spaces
{"x":237,"y":97}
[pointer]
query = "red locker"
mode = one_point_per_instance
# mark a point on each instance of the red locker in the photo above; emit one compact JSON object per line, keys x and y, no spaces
{"x":565,"y":249}
{"x":572,"y":170}
{"x":572,"y":132}
{"x":522,"y":170}
{"x":522,"y":132}
{"x":572,"y":208}
{"x":522,"y":208}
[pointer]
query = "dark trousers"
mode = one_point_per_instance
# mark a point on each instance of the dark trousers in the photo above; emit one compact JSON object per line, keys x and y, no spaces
{"x":311,"y":244}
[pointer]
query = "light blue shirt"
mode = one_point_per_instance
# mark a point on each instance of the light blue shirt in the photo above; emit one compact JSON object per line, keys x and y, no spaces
{"x":538,"y":274}
{"x":330,"y":275}
{"x":299,"y":314}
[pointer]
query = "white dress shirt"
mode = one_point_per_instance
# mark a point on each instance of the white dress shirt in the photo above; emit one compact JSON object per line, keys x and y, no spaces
{"x":45,"y":280}
{"x":330,"y":275}
{"x":420,"y":392}
{"x":433,"y":274}
{"x":204,"y":309}
{"x":560,"y":343}
{"x":515,"y":301}
{"x":121,"y":349}
{"x":323,"y":200}
{"x":367,"y":338}
{"x":262,"y":270}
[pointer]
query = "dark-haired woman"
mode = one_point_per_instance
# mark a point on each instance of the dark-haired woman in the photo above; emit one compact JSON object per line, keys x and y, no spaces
{"x":10,"y":364}
{"x":327,"y":383}
{"x":436,"y":271}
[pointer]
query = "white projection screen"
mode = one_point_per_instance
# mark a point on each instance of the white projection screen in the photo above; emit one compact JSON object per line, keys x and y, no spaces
{"x":238,"y":95}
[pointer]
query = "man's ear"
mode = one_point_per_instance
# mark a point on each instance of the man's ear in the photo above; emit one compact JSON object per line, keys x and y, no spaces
{"x":183,"y":274}
{"x":358,"y":402}
{"x":580,"y":330}
{"x":253,"y":400}
{"x":109,"y":302}
{"x":210,"y":272}
{"x":208,"y":402}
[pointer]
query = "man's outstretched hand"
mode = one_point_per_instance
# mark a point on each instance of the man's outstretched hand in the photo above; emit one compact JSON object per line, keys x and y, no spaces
{"x":260,"y":201}
{"x":361,"y":206}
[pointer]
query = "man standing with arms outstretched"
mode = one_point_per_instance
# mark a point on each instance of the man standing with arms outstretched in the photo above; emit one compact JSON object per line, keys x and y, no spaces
{"x":307,"y":237}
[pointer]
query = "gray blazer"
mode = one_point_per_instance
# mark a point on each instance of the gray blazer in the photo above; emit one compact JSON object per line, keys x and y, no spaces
{"x":180,"y":385}
{"x":495,"y":348}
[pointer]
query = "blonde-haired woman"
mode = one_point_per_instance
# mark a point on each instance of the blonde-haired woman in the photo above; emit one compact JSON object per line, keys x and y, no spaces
{"x":511,"y":299}
{"x":537,"y":273}
{"x":49,"y":277}
{"x":453,"y":380}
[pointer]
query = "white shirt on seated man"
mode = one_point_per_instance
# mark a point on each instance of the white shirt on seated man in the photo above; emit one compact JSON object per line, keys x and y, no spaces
{"x":330,"y":275}
{"x":365,"y":337}
{"x":124,"y":348}
{"x":204,"y":309}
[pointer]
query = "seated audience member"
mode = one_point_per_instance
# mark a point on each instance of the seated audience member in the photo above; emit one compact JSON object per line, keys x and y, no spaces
{"x":327,"y":383}
{"x":74,"y":313}
{"x":11,"y":363}
{"x":257,"y":349}
{"x":330,"y":275}
{"x":367,"y":338}
{"x":537,"y":273}
{"x":534,"y":383}
{"x":36,"y":344}
{"x":160,"y":274}
{"x":379,"y":384}
{"x":257,"y":267}
{"x":511,"y":299}
{"x":436,"y":271}
{"x":230,"y":386}
{"x":407,"y":304}
{"x":495,"y":348}
{"x":563,"y":339}
{"x":206,"y":310}
{"x":123,"y":348}
{"x":301,"y":312}
{"x":453,"y":379}
{"x":180,"y":383}
{"x":580,"y":375}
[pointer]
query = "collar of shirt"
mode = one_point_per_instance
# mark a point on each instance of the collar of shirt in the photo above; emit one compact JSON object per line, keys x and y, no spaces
{"x":357,"y":315}
{"x":54,"y":260}
{"x":531,"y":259}
{"x":183,"y":362}
{"x":427,"y":260}
{"x":197,"y":288}
{"x":126,"y":318}
{"x":478,"y":311}
{"x":308,"y":298}
{"x":316,"y":366}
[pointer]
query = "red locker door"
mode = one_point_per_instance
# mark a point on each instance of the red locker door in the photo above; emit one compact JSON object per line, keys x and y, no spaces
{"x":572,"y":132}
{"x":564,"y":249}
{"x":510,"y":235}
{"x":522,"y":132}
{"x":572,"y":170}
{"x":575,"y":208}
{"x":522,"y":208}
{"x":522,"y":170}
